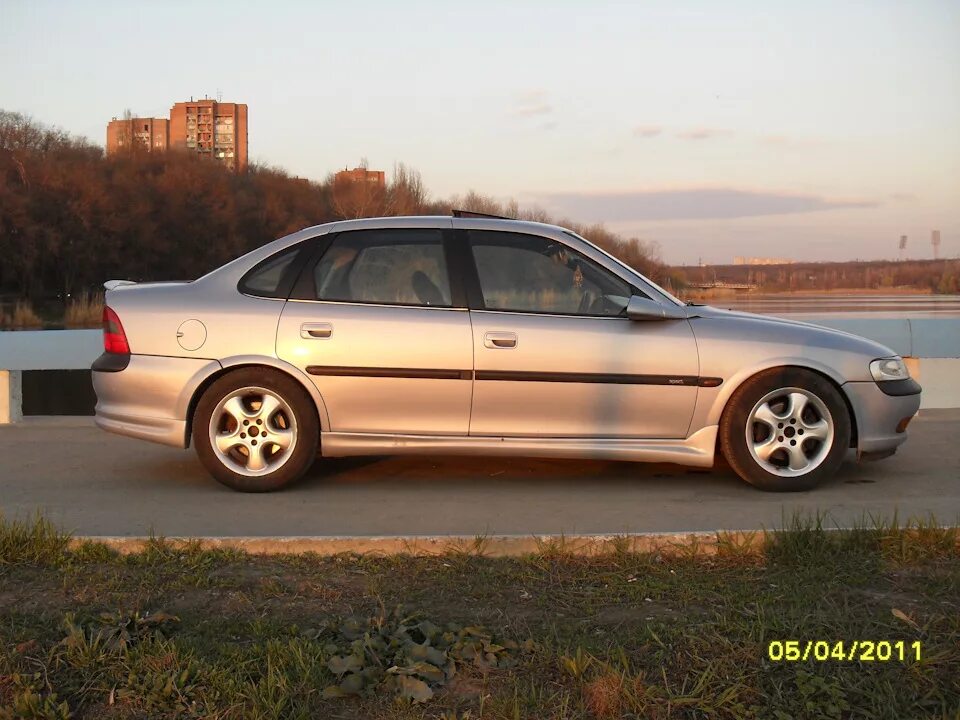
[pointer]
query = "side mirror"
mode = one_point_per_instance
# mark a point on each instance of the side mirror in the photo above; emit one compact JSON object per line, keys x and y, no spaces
{"x":645,"y":309}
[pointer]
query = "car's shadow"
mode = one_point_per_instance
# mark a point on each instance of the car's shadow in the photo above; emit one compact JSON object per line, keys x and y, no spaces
{"x":457,"y":471}
{"x":452,"y":472}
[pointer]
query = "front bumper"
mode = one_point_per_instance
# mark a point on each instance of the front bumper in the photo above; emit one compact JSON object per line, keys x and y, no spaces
{"x":879,"y":417}
{"x":149,"y":398}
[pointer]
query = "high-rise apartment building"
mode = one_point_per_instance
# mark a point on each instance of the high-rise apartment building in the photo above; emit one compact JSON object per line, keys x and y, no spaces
{"x":209,"y":128}
{"x":147,"y":133}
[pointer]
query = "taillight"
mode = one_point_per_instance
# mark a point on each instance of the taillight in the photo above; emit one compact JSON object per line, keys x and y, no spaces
{"x":114,"y":339}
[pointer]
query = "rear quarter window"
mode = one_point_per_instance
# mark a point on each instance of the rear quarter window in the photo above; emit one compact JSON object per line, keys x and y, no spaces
{"x":272,"y":277}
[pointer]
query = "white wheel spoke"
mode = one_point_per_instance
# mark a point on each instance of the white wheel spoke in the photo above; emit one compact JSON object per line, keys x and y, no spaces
{"x":766,"y":415}
{"x":257,"y":460}
{"x":796,"y":403}
{"x":765,"y":449}
{"x":818,"y":430}
{"x":235,"y":408}
{"x":281,"y":438}
{"x":797,"y":460}
{"x":228,"y":441}
{"x":268,"y":408}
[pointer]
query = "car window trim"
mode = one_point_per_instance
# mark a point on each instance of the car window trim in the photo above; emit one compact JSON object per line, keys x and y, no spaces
{"x":550,"y":314}
{"x":303,"y":287}
{"x":472,"y":277}
{"x":464,"y":268}
{"x":412,"y":306}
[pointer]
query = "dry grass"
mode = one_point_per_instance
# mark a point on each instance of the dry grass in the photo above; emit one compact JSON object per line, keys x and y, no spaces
{"x":604,"y":695}
{"x":23,"y":316}
{"x":85,"y":310}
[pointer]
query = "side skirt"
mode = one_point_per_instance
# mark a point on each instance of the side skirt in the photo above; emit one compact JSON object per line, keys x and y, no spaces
{"x":696,"y":450}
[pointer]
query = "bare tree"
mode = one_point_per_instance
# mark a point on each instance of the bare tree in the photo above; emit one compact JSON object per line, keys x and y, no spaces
{"x":405,"y":194}
{"x":356,"y":199}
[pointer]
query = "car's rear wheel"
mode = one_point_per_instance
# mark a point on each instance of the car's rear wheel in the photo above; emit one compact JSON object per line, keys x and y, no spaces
{"x":256,"y":430}
{"x":785,"y":429}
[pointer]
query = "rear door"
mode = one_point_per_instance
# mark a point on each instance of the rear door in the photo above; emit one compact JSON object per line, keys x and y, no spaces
{"x":556,"y":356}
{"x":378,"y":325}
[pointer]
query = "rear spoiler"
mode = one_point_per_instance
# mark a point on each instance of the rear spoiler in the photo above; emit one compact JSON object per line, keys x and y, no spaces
{"x":114,"y":284}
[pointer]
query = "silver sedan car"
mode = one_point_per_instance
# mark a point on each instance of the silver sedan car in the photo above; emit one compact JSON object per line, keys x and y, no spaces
{"x":479,"y":336}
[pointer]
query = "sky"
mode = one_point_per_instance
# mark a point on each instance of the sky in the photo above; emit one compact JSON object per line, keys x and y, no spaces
{"x":810,"y":130}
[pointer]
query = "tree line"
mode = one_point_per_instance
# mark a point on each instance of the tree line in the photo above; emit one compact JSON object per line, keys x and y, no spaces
{"x":938,"y":276}
{"x":70,"y":217}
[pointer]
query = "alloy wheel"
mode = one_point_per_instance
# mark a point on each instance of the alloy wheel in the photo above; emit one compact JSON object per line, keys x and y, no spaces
{"x":789,"y":432}
{"x":253,"y":431}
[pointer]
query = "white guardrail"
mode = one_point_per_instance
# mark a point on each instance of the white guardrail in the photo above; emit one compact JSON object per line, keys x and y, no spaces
{"x":931,"y":346}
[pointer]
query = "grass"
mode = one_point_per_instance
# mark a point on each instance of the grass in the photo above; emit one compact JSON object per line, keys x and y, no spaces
{"x":82,"y":311}
{"x":85,"y":310}
{"x":22,"y":316}
{"x":32,"y":542}
{"x":181,"y":631}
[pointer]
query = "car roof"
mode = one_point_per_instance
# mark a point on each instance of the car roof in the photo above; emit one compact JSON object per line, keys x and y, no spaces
{"x":437,"y":221}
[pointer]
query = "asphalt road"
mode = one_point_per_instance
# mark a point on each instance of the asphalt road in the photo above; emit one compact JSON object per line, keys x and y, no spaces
{"x":93,"y":483}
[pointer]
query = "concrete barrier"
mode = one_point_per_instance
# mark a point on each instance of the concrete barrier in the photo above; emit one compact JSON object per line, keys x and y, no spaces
{"x":49,"y":349}
{"x":11,"y":400}
{"x":49,"y":352}
{"x":940,"y":378}
{"x":909,"y":337}
{"x":932,"y":346}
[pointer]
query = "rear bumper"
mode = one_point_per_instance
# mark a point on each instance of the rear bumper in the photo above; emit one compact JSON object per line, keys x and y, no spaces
{"x":150,"y":398}
{"x":880,"y":416}
{"x":159,"y":430}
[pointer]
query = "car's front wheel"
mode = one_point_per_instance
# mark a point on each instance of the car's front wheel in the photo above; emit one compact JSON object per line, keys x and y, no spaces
{"x":785,"y":429}
{"x":256,"y":430}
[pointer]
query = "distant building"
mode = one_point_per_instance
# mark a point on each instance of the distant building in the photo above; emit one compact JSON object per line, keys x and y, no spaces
{"x":209,"y":128}
{"x":359,"y":174}
{"x":148,"y":133}
{"x":741,"y":260}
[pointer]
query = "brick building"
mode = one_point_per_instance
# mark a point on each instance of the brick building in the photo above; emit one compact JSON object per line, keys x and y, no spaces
{"x":374,"y":177}
{"x":209,"y":128}
{"x":148,"y":133}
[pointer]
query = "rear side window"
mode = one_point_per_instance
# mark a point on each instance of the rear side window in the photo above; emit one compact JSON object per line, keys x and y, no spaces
{"x":388,"y":267}
{"x":270,"y":278}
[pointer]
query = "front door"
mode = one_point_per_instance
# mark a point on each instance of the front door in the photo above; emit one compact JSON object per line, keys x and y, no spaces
{"x":379,"y":335}
{"x":556,"y":356}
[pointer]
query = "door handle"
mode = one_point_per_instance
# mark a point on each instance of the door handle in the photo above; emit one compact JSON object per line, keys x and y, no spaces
{"x":500,"y":340}
{"x":312,"y":331}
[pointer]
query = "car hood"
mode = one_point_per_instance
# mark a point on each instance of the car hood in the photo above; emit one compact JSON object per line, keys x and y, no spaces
{"x":783,"y":328}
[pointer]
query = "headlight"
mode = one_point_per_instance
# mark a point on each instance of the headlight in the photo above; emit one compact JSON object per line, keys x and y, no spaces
{"x":889,"y":369}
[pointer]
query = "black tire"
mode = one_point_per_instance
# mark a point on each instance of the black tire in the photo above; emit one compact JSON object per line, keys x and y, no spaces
{"x":305,"y":428}
{"x":736,"y":448}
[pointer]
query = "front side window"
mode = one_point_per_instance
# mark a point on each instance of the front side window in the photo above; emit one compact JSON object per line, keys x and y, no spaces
{"x":389,"y":267}
{"x":529,"y":273}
